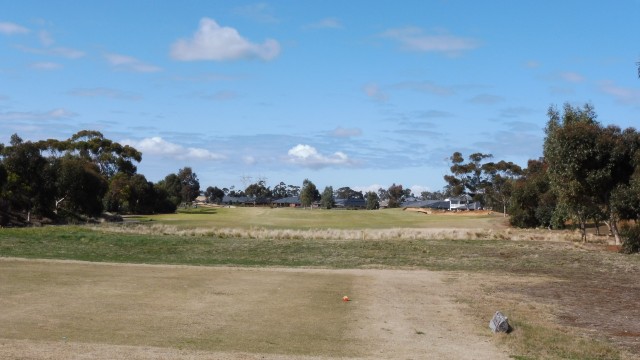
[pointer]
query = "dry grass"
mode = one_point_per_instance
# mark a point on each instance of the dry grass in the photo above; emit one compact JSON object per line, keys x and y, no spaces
{"x":177,"y":307}
{"x":350,"y":234}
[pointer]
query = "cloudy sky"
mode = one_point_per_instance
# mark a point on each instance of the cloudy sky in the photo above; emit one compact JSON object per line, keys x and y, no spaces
{"x":345,"y":93}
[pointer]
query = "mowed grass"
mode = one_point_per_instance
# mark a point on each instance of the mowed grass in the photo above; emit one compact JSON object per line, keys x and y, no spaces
{"x":185,"y":308}
{"x":297,"y":218}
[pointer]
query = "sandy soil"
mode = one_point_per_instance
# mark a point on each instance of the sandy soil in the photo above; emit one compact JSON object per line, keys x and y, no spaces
{"x":75,"y":310}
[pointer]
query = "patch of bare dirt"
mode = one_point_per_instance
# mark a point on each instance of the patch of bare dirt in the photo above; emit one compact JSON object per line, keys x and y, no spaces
{"x":76,"y":310}
{"x":604,"y":304}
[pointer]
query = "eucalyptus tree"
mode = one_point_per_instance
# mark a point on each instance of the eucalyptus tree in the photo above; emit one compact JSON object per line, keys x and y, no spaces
{"x":467,"y":178}
{"x":190,"y":185}
{"x":396,"y":195}
{"x":499,"y":181}
{"x":532,"y":202}
{"x":258,"y":190}
{"x":373,"y":201}
{"x":308,"y":193}
{"x":326,"y":199}
{"x":589,"y":164}
{"x":29,"y":178}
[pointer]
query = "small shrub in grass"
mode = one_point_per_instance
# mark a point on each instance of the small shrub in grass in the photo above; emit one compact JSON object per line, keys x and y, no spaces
{"x":631,"y":236}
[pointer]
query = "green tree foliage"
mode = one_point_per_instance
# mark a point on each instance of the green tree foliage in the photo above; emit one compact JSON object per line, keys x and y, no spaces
{"x":308,"y":193}
{"x":589,"y":164}
{"x":433,"y":195}
{"x":533,"y":203}
{"x":258,"y":190}
{"x":214,"y":194}
{"x":80,"y":186}
{"x":396,"y":195}
{"x":498,"y":182}
{"x":279,"y":191}
{"x":29,"y":181}
{"x":326,"y":199}
{"x":82,"y":175}
{"x":110,"y":157}
{"x":348,"y":193}
{"x":467,"y":178}
{"x":190,"y":186}
{"x":373,"y":202}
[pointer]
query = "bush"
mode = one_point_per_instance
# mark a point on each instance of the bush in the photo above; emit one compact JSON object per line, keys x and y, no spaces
{"x":631,"y":239}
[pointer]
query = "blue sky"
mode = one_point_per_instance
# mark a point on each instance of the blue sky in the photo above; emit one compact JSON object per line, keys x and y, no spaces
{"x":345,"y":93}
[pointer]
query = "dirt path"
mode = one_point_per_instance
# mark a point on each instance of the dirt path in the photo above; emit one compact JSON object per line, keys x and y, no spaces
{"x":76,"y":310}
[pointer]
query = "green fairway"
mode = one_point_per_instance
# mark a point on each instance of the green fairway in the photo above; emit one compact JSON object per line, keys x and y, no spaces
{"x":297,"y":218}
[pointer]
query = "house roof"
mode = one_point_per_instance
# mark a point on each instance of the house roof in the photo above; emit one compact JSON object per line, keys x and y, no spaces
{"x":288,"y":200}
{"x":350,"y":202}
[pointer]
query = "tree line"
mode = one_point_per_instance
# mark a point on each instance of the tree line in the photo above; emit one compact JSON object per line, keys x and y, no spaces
{"x":87,"y":175}
{"x":80,"y":177}
{"x":589,"y":173}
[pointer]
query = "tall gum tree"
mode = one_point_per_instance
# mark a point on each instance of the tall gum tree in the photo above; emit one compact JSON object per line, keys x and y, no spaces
{"x":587,"y":163}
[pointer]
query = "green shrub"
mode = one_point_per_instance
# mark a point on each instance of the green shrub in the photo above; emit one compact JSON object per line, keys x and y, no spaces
{"x":631,"y":238}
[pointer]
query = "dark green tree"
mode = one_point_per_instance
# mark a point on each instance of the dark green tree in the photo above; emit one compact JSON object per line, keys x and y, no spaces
{"x":190,"y":186}
{"x":308,"y":193}
{"x":498,"y":183}
{"x":396,"y":195}
{"x":373,"y":202}
{"x":172,"y":185}
{"x":533,"y":204}
{"x":467,"y":178}
{"x":214,"y":194}
{"x":29,"y":185}
{"x":258,"y":190}
{"x":348,"y":193}
{"x":587,"y":163}
{"x":326,"y":199}
{"x":80,"y":186}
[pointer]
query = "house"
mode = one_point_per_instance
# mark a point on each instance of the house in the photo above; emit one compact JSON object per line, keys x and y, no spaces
{"x":291,"y":201}
{"x":245,"y":200}
{"x":350,"y":203}
{"x":464,"y":202}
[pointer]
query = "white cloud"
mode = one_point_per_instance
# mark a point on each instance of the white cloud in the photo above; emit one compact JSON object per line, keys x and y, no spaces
{"x":45,"y":66}
{"x":54,"y":114}
{"x":160,"y":147}
{"x":532,"y":64}
{"x":57,"y":51}
{"x":128,"y":63}
{"x":8,"y":28}
{"x":346,"y":132}
{"x":571,"y":77}
{"x":623,"y":95}
{"x":374,"y":92}
{"x":426,"y":87}
{"x":45,"y":38}
{"x":308,"y":156}
{"x":326,"y":23}
{"x":365,"y":189}
{"x":249,"y":160}
{"x":214,"y":42}
{"x":416,"y":190}
{"x":414,"y":39}
{"x":260,"y":12}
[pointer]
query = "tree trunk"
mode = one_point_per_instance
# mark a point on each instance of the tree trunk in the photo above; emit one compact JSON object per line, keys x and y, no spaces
{"x":613,"y":230}
{"x":616,"y":233}
{"x":583,"y":229}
